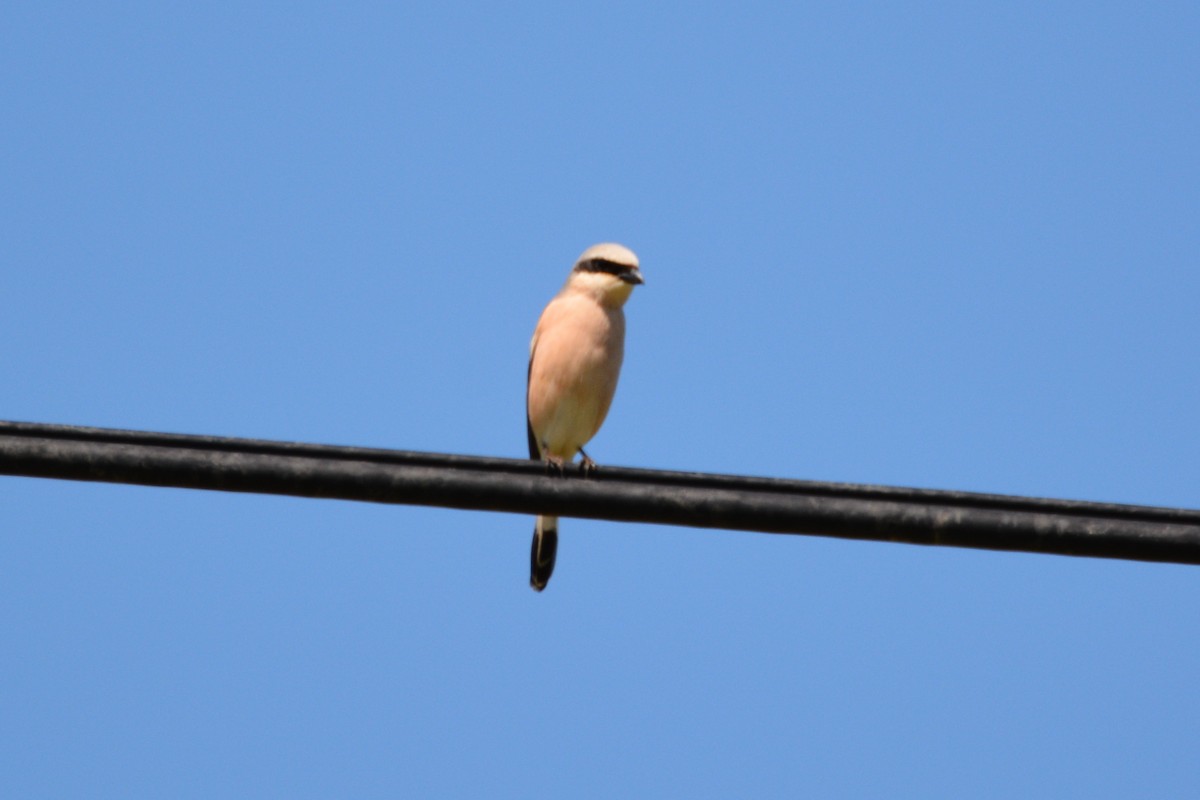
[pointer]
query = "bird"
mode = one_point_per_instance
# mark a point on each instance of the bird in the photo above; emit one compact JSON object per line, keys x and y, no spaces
{"x":574,"y":361}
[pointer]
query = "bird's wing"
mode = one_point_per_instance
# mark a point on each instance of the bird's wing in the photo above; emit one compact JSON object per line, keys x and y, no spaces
{"x":535,"y":452}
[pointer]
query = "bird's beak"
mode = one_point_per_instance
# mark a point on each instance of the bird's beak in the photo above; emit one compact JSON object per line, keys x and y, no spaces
{"x":634,"y":276}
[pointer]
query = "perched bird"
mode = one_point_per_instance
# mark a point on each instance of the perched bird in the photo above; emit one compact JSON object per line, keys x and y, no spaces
{"x":574,"y":361}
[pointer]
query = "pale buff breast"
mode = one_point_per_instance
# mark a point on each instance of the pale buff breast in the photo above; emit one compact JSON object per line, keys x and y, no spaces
{"x":576,"y":360}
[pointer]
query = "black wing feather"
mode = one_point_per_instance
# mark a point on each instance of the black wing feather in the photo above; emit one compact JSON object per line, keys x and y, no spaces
{"x":535,"y":452}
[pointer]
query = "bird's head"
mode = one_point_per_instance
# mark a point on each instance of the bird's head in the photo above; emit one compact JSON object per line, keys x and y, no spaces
{"x":608,"y":271}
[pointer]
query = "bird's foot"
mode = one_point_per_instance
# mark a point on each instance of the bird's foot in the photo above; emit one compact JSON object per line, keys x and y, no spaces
{"x":586,"y":466}
{"x":554,"y":466}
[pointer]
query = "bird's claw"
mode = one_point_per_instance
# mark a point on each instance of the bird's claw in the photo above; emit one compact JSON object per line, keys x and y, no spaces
{"x":554,"y":466}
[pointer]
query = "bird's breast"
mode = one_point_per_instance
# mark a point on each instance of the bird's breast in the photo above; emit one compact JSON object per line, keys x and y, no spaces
{"x":573,"y":374}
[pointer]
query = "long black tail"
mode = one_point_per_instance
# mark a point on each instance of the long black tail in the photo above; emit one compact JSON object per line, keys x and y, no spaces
{"x":545,"y":548}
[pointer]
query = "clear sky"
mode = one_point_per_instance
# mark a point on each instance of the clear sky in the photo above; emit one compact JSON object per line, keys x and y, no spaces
{"x":942,"y":245}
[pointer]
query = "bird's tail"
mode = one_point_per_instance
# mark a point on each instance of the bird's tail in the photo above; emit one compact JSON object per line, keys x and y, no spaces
{"x":545,"y":547}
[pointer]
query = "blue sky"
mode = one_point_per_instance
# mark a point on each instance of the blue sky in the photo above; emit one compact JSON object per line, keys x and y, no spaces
{"x":936,"y":245}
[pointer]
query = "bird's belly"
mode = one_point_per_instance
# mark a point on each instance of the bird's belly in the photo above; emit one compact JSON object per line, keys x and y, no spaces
{"x":572,"y":422}
{"x":573,"y":376}
{"x":580,"y":390}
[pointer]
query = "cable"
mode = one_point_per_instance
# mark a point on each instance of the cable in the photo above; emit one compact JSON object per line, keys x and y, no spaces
{"x":772,"y":505}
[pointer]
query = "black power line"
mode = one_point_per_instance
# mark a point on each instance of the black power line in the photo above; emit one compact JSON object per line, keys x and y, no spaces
{"x":879,"y":513}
